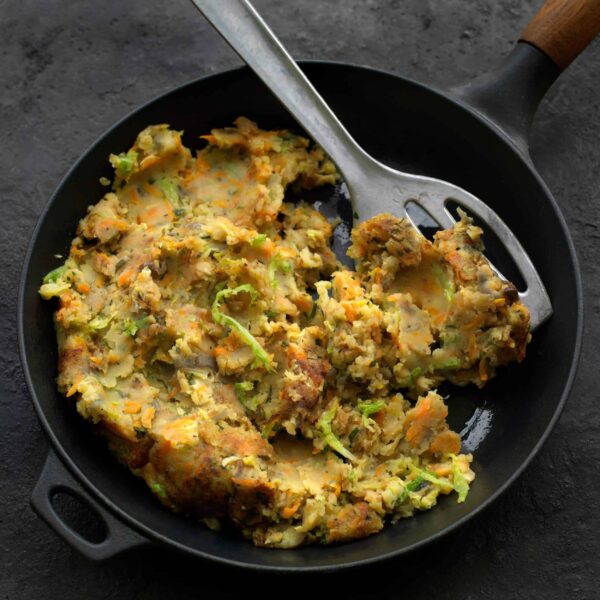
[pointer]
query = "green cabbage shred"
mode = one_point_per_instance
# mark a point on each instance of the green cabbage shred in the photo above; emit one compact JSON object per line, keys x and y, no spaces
{"x":278,"y":264}
{"x":369,"y":408}
{"x":54,"y":275}
{"x":169,"y":189}
{"x":459,"y":482}
{"x":222,"y":319}
{"x":330,"y":439}
{"x":124,"y":163}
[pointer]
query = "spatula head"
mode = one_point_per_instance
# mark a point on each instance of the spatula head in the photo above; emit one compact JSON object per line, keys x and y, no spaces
{"x":394,"y":191}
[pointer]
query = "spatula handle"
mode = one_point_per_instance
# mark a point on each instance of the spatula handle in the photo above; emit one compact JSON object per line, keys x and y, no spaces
{"x":246,"y":32}
{"x":563,"y":28}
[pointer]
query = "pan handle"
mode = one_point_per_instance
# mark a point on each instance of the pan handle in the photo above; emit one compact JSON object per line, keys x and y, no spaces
{"x":510,"y":95}
{"x":563,"y":28}
{"x":55,"y":478}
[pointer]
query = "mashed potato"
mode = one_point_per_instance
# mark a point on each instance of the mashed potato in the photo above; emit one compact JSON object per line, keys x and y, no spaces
{"x":209,"y":333}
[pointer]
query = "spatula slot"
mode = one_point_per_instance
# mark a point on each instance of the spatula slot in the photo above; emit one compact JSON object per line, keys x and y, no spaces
{"x":422,"y":219}
{"x":495,"y":250}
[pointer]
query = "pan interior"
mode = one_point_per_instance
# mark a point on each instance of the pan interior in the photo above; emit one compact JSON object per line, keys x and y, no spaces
{"x":410,"y":128}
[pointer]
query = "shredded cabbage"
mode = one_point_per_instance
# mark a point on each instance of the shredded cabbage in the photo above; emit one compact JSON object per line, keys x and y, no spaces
{"x":158,"y":489}
{"x":459,"y":481}
{"x":98,"y":323}
{"x":240,"y":391}
{"x":445,"y":282}
{"x":324,"y":425}
{"x":124,"y":163}
{"x":169,"y":189}
{"x":278,"y":264}
{"x":369,"y":408}
{"x":443,"y":484}
{"x":132,"y":326}
{"x":452,"y":363}
{"x":55,"y":274}
{"x":414,"y":375}
{"x":259,"y":240}
{"x":222,"y":319}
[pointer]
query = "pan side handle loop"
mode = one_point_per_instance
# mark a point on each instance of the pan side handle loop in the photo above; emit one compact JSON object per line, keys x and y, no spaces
{"x":54,"y":479}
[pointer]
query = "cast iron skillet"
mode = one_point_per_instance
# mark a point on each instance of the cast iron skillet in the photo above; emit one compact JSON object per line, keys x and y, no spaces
{"x":481,"y":147}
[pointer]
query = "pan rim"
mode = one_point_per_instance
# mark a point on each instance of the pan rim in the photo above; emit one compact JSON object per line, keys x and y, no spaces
{"x":152,"y":535}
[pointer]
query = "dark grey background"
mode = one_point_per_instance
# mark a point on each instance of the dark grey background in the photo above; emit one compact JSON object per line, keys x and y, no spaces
{"x":70,"y":69}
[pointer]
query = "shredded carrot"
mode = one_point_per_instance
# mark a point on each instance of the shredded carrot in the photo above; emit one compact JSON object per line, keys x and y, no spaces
{"x":73,"y":388}
{"x":135,"y":199}
{"x":148,"y":417}
{"x":118,"y":224}
{"x":446,"y":441}
{"x":380,"y":470}
{"x":132,"y":407}
{"x":304,"y":303}
{"x":151,"y":190}
{"x":246,"y":482}
{"x":350,"y":310}
{"x":441,"y":470}
{"x":379,"y":417}
{"x":290,"y":511}
{"x":126,"y":277}
{"x":202,"y":165}
{"x":483,"y":374}
{"x":472,"y":347}
{"x":150,"y":161}
{"x":157,"y":212}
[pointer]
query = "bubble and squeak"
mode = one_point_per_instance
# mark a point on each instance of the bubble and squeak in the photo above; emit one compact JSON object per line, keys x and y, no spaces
{"x":208,"y":332}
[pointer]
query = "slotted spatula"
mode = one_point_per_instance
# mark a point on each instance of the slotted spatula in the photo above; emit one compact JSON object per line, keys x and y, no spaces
{"x":374,"y":188}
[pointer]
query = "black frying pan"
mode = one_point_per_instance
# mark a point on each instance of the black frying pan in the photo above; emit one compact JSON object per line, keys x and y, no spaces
{"x":481,"y":147}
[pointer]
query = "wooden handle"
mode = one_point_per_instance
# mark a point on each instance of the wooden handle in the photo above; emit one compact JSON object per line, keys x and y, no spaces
{"x":563,"y":28}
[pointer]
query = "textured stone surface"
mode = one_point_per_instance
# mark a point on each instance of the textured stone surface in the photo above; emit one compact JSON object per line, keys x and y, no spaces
{"x":70,"y":69}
